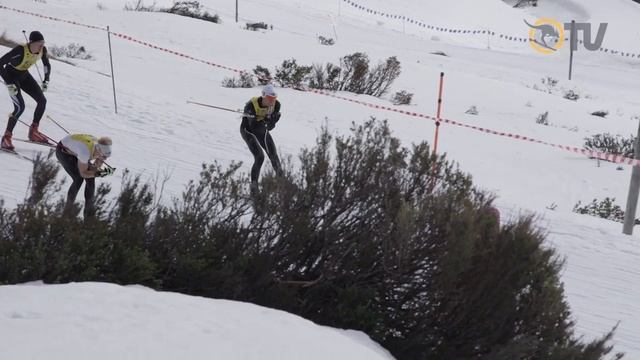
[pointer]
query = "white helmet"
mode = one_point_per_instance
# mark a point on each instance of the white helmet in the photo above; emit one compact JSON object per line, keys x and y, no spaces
{"x":269,"y":90}
{"x":104,"y":146}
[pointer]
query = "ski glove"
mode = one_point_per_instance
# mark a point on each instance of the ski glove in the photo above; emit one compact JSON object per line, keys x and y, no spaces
{"x":45,"y":85}
{"x":108,"y":170}
{"x":274,"y":117}
{"x":13,"y":89}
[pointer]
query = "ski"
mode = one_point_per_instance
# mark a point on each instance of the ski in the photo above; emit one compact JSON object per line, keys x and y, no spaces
{"x":15,"y":153}
{"x":49,"y":145}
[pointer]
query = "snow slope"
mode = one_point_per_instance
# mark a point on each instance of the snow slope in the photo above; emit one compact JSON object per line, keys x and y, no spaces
{"x":102,"y":321}
{"x":156,"y":132}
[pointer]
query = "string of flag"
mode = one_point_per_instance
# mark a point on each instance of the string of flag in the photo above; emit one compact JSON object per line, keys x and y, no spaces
{"x":467,"y":32}
{"x":590,"y":153}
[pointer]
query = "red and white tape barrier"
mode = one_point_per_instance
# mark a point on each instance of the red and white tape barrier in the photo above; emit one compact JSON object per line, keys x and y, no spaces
{"x":52,"y":18}
{"x":593,"y":154}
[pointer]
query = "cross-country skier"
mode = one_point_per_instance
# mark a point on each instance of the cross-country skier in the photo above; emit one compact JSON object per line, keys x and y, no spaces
{"x":14,"y":69}
{"x":82,"y":157}
{"x":261,"y":115}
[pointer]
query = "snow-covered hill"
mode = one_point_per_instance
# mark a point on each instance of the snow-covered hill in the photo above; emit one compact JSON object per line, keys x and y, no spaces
{"x":102,"y":321}
{"x":157,"y":132}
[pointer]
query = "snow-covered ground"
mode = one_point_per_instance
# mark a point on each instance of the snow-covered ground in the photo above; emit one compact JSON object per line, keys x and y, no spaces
{"x":105,"y":322}
{"x":157,"y":132}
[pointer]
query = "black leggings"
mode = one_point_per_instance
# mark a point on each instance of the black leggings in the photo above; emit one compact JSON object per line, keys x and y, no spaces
{"x":25,"y":82}
{"x":70,"y":165}
{"x":256,"y":141}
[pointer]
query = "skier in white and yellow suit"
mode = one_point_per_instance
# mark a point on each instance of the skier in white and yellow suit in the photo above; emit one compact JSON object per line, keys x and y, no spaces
{"x":82,"y":157}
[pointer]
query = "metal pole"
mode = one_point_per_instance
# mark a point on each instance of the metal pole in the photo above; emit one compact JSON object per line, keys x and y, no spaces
{"x":37,"y":68}
{"x":573,"y":44}
{"x":435,"y":169}
{"x":236,"y":11}
{"x":218,"y":107}
{"x":435,"y":142}
{"x":43,"y":134}
{"x":489,"y":39}
{"x":339,"y":7}
{"x":55,"y":122}
{"x":634,"y":189}
{"x":113,"y":78}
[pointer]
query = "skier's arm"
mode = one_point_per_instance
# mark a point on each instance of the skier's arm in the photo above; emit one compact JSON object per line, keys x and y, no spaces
{"x":249,"y":110}
{"x":47,"y":64}
{"x":6,"y":58}
{"x":275,"y":116}
{"x":87,"y":171}
{"x":16,"y":52}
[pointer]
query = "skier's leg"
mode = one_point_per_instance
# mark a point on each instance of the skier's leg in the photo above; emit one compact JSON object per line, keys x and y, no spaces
{"x":31,"y":87}
{"x":18,"y":109}
{"x":89,"y":193}
{"x":273,"y":154}
{"x":70,"y":165}
{"x":258,"y":156}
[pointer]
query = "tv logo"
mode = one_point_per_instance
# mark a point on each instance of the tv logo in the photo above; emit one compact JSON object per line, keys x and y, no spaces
{"x":547,"y":36}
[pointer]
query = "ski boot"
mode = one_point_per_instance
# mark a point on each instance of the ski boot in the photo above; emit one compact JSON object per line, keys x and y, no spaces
{"x":6,"y":142}
{"x":37,"y":136}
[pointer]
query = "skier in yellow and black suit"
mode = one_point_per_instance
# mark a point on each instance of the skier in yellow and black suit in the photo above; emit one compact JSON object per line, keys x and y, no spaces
{"x":14,"y":69}
{"x":263,"y":113}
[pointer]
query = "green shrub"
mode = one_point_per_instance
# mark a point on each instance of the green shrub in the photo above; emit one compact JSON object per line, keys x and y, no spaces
{"x":366,"y":234}
{"x":606,"y":209}
{"x":612,"y":144}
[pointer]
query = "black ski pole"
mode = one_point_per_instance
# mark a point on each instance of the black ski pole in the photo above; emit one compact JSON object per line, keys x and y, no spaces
{"x":219,"y":108}
{"x":55,"y":122}
{"x":37,"y":68}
